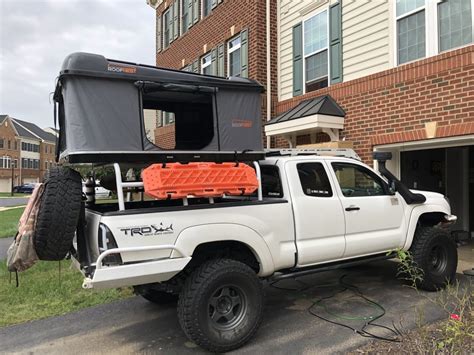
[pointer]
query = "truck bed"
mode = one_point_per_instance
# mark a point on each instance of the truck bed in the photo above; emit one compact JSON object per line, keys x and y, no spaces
{"x":152,"y":206}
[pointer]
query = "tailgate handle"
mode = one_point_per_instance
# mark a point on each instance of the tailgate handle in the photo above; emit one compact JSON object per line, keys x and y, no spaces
{"x":352,"y":208}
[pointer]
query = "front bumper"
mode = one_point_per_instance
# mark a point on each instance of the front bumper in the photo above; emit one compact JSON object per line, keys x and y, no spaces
{"x":136,"y":273}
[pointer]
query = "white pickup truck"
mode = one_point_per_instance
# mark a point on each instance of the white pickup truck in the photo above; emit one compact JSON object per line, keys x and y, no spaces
{"x":311,"y":213}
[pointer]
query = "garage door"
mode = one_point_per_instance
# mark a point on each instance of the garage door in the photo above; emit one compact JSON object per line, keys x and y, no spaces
{"x":5,"y":185}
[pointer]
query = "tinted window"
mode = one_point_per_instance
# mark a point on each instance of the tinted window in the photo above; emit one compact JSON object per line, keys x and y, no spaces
{"x":355,"y":180}
{"x":271,"y":182}
{"x":314,"y":180}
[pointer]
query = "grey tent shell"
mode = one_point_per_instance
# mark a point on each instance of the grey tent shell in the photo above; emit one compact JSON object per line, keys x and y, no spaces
{"x":100,"y":110}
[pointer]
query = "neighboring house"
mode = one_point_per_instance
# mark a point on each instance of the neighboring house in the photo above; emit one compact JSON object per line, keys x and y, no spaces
{"x":385,"y":75}
{"x":26,"y":152}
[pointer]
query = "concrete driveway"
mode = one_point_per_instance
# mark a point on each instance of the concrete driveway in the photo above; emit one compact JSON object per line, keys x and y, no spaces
{"x":135,"y":325}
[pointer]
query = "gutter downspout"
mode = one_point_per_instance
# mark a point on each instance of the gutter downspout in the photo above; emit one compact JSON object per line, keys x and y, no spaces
{"x":269,"y":77}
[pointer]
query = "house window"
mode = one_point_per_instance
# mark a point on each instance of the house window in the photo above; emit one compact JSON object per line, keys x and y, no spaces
{"x":9,"y":144}
{"x":411,"y":43}
{"x":454,"y":24}
{"x":206,"y":64}
{"x":1,"y":143}
{"x":6,"y":162}
{"x":166,"y":28}
{"x":315,"y":48}
{"x":234,"y":67}
{"x":16,"y":145}
{"x":206,"y":7}
{"x":168,"y":118}
{"x":426,"y":28}
{"x":185,"y":7}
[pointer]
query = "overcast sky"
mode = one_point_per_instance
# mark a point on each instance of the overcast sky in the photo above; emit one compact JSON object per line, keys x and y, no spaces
{"x":36,"y":35}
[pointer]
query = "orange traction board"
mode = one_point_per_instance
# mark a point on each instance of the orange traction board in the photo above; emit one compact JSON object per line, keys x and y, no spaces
{"x":176,"y":180}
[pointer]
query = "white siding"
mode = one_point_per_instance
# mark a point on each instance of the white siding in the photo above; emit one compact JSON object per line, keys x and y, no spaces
{"x":291,"y":12}
{"x":365,"y":38}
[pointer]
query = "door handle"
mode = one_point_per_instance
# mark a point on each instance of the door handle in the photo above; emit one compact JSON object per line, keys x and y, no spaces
{"x":352,"y":208}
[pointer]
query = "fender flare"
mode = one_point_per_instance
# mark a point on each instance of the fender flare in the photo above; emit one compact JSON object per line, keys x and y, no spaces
{"x":415,"y":216}
{"x":190,"y":238}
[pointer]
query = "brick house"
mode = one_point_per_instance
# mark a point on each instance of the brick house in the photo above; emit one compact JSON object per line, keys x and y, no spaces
{"x":402,"y":72}
{"x":26,"y":150}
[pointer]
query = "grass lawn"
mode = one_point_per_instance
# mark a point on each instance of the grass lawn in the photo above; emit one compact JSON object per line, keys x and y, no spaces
{"x":42,"y":294}
{"x":9,"y":221}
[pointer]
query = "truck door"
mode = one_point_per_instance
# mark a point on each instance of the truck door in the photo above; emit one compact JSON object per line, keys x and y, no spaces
{"x":319,"y":217}
{"x":374,"y":217}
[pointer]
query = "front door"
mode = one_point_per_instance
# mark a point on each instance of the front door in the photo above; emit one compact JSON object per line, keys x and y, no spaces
{"x":375,"y":220}
{"x":319,"y":217}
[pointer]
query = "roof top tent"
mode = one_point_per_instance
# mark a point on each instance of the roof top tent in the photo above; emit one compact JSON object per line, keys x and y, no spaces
{"x":101,"y":103}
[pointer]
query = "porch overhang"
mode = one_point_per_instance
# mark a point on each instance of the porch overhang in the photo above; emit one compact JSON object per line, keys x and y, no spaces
{"x":320,"y":114}
{"x":304,"y":125}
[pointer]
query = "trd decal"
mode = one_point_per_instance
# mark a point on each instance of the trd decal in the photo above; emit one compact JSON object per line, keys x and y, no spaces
{"x":151,"y":229}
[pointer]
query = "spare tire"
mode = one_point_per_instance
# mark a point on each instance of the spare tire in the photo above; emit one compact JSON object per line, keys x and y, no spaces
{"x":58,"y":214}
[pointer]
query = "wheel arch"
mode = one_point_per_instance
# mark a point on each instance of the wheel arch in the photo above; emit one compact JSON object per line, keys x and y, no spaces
{"x":425,"y":215}
{"x":215,"y":239}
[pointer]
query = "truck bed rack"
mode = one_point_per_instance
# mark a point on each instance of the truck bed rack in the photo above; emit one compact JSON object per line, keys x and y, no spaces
{"x":333,"y":152}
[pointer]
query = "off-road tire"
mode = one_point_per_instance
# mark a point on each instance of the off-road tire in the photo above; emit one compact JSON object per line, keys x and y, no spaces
{"x":200,"y":290}
{"x":58,"y":213}
{"x":435,"y":253}
{"x":157,"y":297}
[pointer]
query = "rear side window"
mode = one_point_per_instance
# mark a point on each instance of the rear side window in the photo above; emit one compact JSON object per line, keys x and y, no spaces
{"x":271,"y":182}
{"x":314,"y":180}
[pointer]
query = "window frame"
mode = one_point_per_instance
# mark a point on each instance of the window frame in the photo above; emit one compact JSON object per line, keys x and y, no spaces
{"x":183,"y":23}
{"x":370,"y":172}
{"x":432,"y":47}
{"x":203,"y":15}
{"x":232,"y":50}
{"x":303,"y":21}
{"x":331,"y":188}
{"x":166,"y":23}
{"x":6,"y":162}
{"x":209,"y":64}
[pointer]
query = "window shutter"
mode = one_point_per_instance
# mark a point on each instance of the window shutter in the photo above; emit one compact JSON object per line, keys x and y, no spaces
{"x":213,"y":4}
{"x":195,"y":66}
{"x":158,"y":34}
{"x":335,"y":44}
{"x":195,"y":11}
{"x":220,"y":60}
{"x":176,"y":19}
{"x":244,"y":71}
{"x":214,"y":61}
{"x":297,"y":60}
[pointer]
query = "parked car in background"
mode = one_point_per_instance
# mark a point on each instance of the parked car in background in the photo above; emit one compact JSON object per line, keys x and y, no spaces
{"x":100,"y":192}
{"x":24,"y":189}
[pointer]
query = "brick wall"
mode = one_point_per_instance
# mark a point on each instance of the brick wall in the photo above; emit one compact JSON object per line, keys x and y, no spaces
{"x":7,"y":133}
{"x":394,"y":105}
{"x":215,"y":29}
{"x":47,"y":153}
{"x":165,"y":137}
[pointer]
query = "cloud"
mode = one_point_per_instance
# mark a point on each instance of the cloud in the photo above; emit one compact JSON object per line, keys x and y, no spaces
{"x":36,"y":36}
